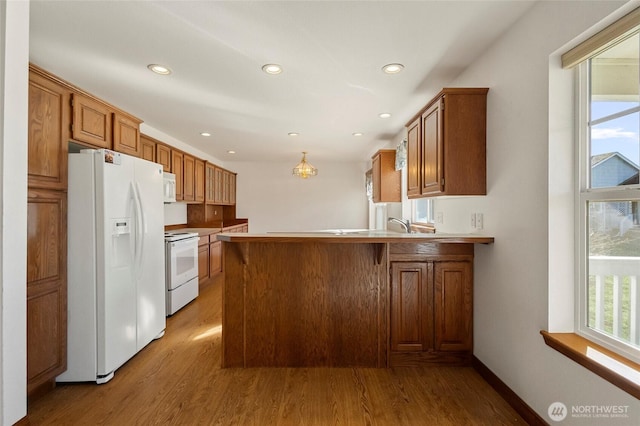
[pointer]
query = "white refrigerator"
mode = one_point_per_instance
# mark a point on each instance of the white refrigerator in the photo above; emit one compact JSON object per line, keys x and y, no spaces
{"x":116,"y":286}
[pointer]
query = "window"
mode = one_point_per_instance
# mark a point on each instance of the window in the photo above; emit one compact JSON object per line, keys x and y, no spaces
{"x":608,"y":199}
{"x":422,"y":211}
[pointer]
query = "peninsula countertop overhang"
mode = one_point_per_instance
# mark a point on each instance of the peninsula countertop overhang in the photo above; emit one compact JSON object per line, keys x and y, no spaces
{"x":355,"y":236}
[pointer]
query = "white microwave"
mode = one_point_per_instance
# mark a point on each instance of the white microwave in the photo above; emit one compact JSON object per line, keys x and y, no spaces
{"x":169,"y":187}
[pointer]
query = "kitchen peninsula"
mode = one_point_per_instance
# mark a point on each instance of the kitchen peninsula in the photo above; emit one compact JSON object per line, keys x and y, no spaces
{"x":343,"y":298}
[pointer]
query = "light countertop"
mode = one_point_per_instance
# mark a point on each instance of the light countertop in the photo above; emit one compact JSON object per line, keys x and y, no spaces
{"x":355,"y":236}
{"x":200,"y":231}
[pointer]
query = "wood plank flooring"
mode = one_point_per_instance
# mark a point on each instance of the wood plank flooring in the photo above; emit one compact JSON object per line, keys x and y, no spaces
{"x":177,"y":380}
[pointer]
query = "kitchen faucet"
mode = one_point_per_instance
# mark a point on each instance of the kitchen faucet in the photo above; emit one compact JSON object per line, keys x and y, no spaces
{"x":406,"y":224}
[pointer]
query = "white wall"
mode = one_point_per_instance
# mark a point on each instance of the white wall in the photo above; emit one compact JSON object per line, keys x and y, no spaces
{"x":14,"y":61}
{"x":176,"y":143}
{"x":274,"y":200}
{"x":512,"y":275}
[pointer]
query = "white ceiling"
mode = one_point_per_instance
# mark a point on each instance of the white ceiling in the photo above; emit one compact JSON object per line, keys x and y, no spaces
{"x":331,"y":52}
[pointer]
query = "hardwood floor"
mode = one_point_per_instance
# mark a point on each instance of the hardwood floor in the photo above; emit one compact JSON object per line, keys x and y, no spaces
{"x":178,"y":380}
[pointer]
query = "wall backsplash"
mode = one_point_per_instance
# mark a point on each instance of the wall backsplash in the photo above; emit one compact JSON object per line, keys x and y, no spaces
{"x":175,"y":214}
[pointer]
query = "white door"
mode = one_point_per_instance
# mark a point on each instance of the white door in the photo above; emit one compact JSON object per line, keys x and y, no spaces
{"x":116,"y":289}
{"x":150,"y":273}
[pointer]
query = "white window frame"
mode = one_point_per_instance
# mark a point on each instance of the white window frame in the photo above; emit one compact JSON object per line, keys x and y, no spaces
{"x":430,"y":215}
{"x":584,"y":194}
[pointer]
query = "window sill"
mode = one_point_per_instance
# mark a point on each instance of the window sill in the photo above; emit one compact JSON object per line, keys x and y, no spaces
{"x":612,"y":367}
{"x":427,"y":228}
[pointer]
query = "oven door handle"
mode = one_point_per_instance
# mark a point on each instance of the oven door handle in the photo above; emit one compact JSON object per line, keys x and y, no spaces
{"x":186,"y":242}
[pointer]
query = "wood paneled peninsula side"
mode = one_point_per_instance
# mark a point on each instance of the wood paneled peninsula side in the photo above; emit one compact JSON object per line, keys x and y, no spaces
{"x":347,"y":298}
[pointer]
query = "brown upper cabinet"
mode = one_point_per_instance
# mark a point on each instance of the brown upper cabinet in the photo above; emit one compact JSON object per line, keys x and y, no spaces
{"x":91,"y":121}
{"x":188,"y":172}
{"x":193,"y":179}
{"x":148,"y":148}
{"x":100,"y":125}
{"x":414,"y":150}
{"x":217,"y":185}
{"x":177,"y":169}
{"x":199,"y":181}
{"x":163,"y":156}
{"x":126,"y":134}
{"x":210,"y":182}
{"x":386,"y":179}
{"x":220,"y":186}
{"x":226,"y":187}
{"x":232,"y":188}
{"x":48,"y":132}
{"x":447,"y":145}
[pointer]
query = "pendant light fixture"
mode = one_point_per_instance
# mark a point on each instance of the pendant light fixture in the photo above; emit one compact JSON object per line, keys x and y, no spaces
{"x":304,"y":169}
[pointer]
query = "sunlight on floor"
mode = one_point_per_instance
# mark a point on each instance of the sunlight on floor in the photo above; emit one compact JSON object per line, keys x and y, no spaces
{"x":209,"y":333}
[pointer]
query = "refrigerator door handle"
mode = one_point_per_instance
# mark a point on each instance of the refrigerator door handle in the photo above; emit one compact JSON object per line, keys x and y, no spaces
{"x":143,"y":221}
{"x":139,"y":229}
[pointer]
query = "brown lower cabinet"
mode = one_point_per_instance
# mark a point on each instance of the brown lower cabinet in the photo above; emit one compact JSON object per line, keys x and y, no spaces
{"x":203,"y":258}
{"x":431,"y":311}
{"x":210,"y":252}
{"x":209,"y":257}
{"x":411,"y":306}
{"x":453,"y":306}
{"x":215,"y":257}
{"x":46,"y":288}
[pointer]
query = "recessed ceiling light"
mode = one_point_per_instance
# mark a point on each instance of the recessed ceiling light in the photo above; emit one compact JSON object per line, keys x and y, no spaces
{"x":272,"y":68}
{"x":159,"y":69}
{"x":392,"y":68}
{"x":357,"y":134}
{"x":231,"y":152}
{"x":384,"y":115}
{"x":293,"y":134}
{"x":205,"y":134}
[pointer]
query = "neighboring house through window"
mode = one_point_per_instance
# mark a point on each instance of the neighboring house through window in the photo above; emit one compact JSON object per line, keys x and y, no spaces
{"x":608,"y":221}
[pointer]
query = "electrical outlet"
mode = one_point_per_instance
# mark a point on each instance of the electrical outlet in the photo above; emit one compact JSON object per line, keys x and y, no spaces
{"x":473,"y":221}
{"x":479,"y":221}
{"x":439,"y":217}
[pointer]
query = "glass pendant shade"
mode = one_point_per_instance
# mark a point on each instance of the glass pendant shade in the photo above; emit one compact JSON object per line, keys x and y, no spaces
{"x":304,"y":169}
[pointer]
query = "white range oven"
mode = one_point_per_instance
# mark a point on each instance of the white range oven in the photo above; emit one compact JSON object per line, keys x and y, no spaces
{"x":181,"y":275}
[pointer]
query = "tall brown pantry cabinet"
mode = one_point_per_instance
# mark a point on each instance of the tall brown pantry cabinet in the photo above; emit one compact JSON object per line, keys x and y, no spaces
{"x":49,"y":133}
